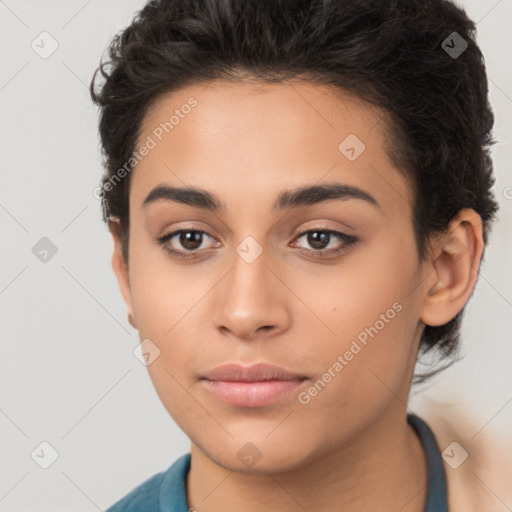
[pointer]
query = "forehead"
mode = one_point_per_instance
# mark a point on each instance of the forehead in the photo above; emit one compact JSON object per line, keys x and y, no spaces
{"x":245,"y":140}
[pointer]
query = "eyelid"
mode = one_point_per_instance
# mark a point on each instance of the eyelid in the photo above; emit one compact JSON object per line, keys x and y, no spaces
{"x":321,"y":226}
{"x":169,"y":236}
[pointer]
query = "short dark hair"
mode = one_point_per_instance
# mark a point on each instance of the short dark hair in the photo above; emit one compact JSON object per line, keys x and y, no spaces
{"x":394,"y":54}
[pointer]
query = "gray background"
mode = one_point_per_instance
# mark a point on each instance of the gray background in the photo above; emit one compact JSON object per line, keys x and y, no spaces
{"x":68,"y":373}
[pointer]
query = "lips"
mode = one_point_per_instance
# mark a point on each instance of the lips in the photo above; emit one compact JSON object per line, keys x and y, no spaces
{"x":255,"y":373}
{"x":254,"y":386}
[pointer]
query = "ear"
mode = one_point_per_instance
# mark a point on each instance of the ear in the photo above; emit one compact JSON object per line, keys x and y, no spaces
{"x":453,"y":268}
{"x":121,"y":269}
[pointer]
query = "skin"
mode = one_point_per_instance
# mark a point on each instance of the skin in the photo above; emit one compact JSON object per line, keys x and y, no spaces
{"x":350,"y":447}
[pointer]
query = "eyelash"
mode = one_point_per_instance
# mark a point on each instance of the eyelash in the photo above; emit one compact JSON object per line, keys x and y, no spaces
{"x":348,"y":240}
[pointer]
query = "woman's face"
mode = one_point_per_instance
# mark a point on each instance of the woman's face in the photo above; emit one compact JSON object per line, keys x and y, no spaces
{"x":255,"y":287}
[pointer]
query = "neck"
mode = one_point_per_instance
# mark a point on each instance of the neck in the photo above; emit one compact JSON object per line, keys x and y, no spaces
{"x":382,"y":467}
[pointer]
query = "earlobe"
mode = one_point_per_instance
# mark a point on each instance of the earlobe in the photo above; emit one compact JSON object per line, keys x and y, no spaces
{"x":131,"y":320}
{"x":121,"y":269}
{"x":454,"y":267}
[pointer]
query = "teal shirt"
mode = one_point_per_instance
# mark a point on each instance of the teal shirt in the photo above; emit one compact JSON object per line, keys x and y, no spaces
{"x":166,"y":491}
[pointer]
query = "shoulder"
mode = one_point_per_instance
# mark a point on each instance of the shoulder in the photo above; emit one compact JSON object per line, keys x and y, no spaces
{"x":143,"y":497}
{"x":146,"y":496}
{"x":478,"y":468}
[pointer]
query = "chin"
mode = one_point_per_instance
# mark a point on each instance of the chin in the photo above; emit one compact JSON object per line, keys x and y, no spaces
{"x":258,"y":457}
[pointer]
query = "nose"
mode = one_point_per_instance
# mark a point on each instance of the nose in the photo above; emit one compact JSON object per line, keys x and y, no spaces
{"x":252,"y":300}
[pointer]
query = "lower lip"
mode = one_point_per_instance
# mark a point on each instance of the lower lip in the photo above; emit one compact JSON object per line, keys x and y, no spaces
{"x":251,"y":394}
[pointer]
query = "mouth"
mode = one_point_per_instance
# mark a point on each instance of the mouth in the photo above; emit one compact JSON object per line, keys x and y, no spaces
{"x":254,"y":386}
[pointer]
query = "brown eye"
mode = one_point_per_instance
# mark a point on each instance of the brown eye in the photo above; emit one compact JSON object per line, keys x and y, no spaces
{"x":319,"y":239}
{"x":188,"y":242}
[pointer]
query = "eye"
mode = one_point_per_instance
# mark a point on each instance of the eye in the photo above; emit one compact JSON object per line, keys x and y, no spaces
{"x":320,"y":239}
{"x":190,"y":239}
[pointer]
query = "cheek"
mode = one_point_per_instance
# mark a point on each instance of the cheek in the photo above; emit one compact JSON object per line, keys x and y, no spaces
{"x":372,"y":317}
{"x":351,"y":296}
{"x":362,"y":370}
{"x":162,"y":292}
{"x":166,"y":301}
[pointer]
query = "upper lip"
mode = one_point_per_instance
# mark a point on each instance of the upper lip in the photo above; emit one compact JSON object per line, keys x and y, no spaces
{"x":254,"y":373}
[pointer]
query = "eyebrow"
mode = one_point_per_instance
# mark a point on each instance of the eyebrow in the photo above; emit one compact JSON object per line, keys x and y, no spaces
{"x":288,"y":199}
